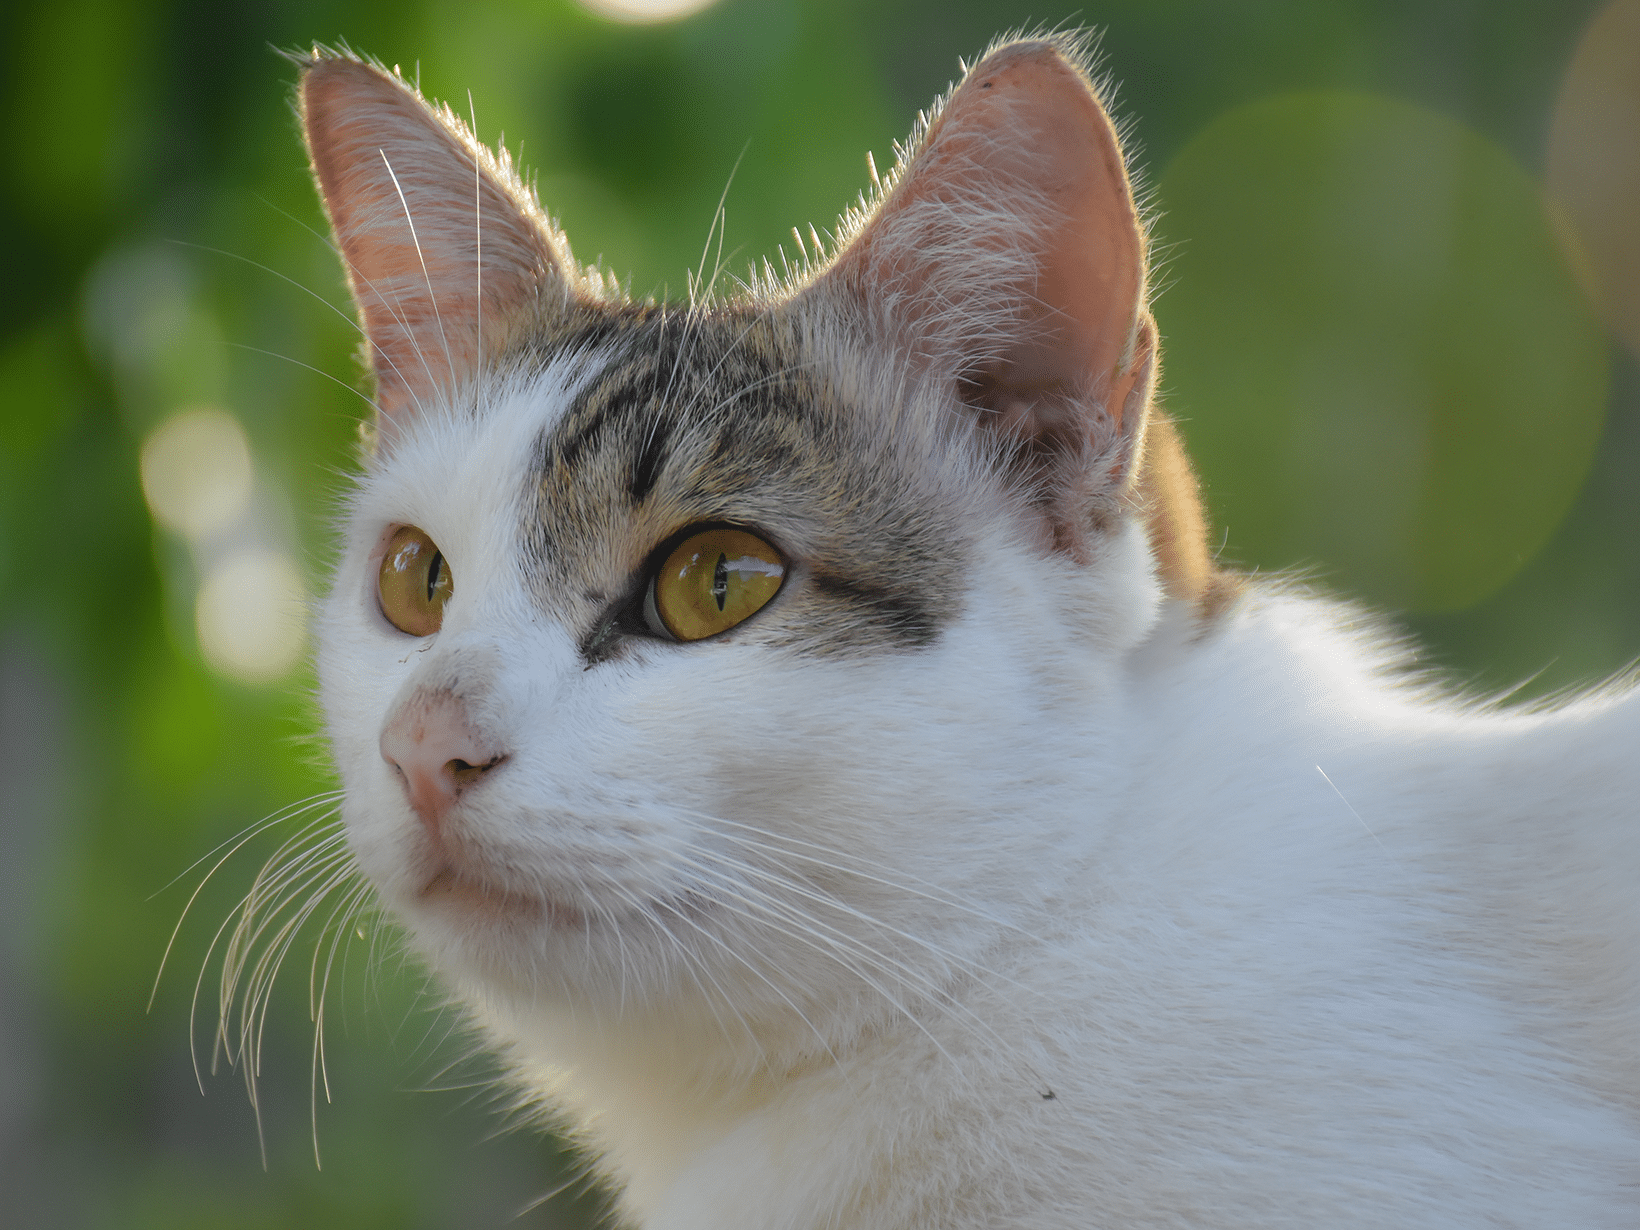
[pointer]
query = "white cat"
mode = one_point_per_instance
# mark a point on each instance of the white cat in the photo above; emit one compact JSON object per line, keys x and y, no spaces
{"x":810,"y":733}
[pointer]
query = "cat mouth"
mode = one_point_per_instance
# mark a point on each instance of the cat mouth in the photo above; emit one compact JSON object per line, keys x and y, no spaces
{"x":451,"y":888}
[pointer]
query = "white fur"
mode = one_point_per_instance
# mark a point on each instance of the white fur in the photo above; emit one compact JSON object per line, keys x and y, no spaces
{"x":1289,"y":941}
{"x":1083,"y":914}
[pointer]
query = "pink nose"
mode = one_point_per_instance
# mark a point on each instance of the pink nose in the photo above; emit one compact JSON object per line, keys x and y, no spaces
{"x":438,"y":754}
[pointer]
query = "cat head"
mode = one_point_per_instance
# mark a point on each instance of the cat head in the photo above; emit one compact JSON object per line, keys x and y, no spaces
{"x":697,"y":654}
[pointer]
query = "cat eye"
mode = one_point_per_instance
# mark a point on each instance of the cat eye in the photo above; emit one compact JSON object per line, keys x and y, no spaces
{"x":711,"y":581}
{"x":414,"y":582}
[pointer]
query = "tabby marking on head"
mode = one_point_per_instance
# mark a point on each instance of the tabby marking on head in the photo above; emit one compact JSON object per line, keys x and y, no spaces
{"x":811,"y":734}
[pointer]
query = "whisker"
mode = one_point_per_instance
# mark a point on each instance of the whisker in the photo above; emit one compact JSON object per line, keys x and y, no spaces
{"x":449,"y":362}
{"x":269,"y":894}
{"x":272,"y":272}
{"x":720,"y":223}
{"x":478,"y":240}
{"x":762,"y":977}
{"x":217,"y":937}
{"x":816,"y":929}
{"x":351,"y":901}
{"x":702,"y":415}
{"x":690,"y":967}
{"x":839,"y":942}
{"x":256,"y":999}
{"x":819,"y":897}
{"x":318,"y":371}
{"x":762,"y":382}
{"x":811,"y":943}
{"x":291,"y":853}
{"x":284,"y":814}
{"x":765,"y":900}
{"x":306,"y":870}
{"x":234,"y":844}
{"x":939,"y":897}
{"x":354,"y":271}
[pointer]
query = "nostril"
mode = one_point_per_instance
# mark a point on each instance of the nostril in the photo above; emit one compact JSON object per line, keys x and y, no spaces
{"x":464,"y":773}
{"x":437,"y":753}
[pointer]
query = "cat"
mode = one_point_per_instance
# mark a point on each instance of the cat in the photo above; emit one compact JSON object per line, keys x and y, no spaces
{"x":812,"y":736}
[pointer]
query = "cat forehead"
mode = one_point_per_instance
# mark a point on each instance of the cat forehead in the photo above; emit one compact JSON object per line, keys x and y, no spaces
{"x":606,"y":434}
{"x":696,"y":416}
{"x":726,"y":416}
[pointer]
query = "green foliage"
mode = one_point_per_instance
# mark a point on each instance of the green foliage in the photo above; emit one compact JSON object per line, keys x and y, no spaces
{"x":1382,"y":361}
{"x":1371,"y":313}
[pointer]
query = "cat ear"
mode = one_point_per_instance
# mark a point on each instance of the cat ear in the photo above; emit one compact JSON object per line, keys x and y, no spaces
{"x":1006,"y":257}
{"x":443,"y":246}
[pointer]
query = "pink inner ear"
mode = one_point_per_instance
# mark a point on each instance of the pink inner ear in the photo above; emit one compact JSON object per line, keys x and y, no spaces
{"x":1009,"y":251}
{"x":1033,"y":119}
{"x":1008,"y":259}
{"x":415,"y":204}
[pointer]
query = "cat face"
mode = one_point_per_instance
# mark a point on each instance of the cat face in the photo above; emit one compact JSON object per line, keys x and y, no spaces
{"x":656,"y":810}
{"x":675,"y":649}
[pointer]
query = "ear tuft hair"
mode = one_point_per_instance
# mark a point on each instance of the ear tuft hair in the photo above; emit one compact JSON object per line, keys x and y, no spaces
{"x":446,"y":251}
{"x":1005,"y":261}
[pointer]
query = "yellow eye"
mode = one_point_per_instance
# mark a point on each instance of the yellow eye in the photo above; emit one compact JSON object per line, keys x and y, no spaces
{"x":712,"y":581}
{"x":414,"y":583}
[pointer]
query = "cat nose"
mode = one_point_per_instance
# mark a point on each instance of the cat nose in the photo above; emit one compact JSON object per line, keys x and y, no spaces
{"x":438,"y":754}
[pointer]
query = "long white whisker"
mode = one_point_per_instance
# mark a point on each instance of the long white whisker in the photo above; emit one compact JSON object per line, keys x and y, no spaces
{"x":261,"y":907}
{"x":839,"y":942}
{"x":272,"y":272}
{"x":234,"y":845}
{"x":318,"y":884}
{"x":703,"y":415}
{"x":351,"y":902}
{"x":762,"y":898}
{"x":757,"y":973}
{"x":720,"y":223}
{"x":236,"y":913}
{"x":830,"y":902}
{"x":692,"y":318}
{"x":318,"y":371}
{"x":728,"y":353}
{"x":359,"y":274}
{"x":254,"y":1010}
{"x":855,"y":970}
{"x":694,"y":968}
{"x":255,"y":902}
{"x":938,"y":896}
{"x":449,"y":362}
{"x":286,"y":813}
{"x":478,"y":240}
{"x":271,"y":892}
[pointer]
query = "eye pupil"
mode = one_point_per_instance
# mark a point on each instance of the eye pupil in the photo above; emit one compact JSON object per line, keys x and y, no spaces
{"x":414,"y":582}
{"x":720,"y":580}
{"x":712,"y":580}
{"x":433,"y":570}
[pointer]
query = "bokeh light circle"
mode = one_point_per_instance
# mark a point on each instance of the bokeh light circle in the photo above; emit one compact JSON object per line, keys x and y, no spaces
{"x":645,"y":12}
{"x":1384,"y":367}
{"x":196,"y":472}
{"x":251,"y":615}
{"x":1594,"y":164}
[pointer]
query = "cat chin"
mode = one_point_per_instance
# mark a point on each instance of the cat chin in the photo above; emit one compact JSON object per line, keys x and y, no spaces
{"x":461,"y":895}
{"x":449,"y":895}
{"x":472,"y":920}
{"x":490,"y":937}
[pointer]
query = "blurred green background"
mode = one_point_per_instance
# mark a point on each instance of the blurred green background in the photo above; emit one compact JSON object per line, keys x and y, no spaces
{"x":1400,"y":291}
